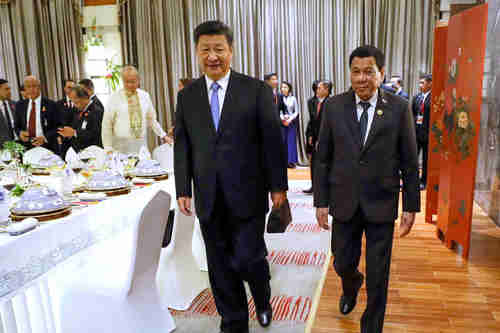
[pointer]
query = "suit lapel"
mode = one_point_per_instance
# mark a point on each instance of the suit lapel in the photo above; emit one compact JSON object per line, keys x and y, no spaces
{"x":352,"y":119}
{"x":378,"y":120}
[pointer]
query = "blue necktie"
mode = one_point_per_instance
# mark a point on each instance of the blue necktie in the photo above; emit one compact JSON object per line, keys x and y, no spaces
{"x":363,"y":121}
{"x":214,"y":104}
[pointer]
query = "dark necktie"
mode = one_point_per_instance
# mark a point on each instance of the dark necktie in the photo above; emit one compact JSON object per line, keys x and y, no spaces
{"x":363,"y":121}
{"x":318,"y":108}
{"x":32,"y":120}
{"x":9,"y":120}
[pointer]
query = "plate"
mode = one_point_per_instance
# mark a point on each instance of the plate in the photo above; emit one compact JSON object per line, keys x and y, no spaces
{"x":92,"y":196}
{"x":44,"y":217}
{"x":109,"y":188}
{"x":143,"y":181}
{"x":36,"y":212}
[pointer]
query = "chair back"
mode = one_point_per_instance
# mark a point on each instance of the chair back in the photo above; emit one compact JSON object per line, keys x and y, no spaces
{"x":150,"y":235}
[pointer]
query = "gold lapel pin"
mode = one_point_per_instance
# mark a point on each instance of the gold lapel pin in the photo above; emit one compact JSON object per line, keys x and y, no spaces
{"x":380,"y":112}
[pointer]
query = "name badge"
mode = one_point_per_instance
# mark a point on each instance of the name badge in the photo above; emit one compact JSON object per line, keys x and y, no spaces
{"x":420,"y":119}
{"x":84,"y":124}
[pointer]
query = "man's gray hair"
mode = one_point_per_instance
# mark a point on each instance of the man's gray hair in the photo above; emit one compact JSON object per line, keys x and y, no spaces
{"x":80,"y":91}
{"x":130,"y":69}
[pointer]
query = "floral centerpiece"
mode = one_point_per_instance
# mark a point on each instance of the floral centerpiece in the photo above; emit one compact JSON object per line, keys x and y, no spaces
{"x":113,"y":76}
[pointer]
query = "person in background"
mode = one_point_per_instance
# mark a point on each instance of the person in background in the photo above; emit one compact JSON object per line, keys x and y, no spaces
{"x":129,"y":115}
{"x":22,"y":93}
{"x":367,"y":137}
{"x":85,"y":129}
{"x":397,"y":85}
{"x":89,"y":86}
{"x":235,"y":157}
{"x":311,"y":107}
{"x":323,"y":91}
{"x":37,"y":118}
{"x":421,"y":107}
{"x":7,"y":114}
{"x":66,"y":107}
{"x":289,"y":119}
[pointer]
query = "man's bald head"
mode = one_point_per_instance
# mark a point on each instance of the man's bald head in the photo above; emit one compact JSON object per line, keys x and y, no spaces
{"x":131,"y":78}
{"x":32,"y":86}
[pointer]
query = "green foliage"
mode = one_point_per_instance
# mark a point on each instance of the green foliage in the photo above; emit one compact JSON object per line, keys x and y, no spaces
{"x":114,"y":74}
{"x":14,"y":148}
{"x":17,"y":191}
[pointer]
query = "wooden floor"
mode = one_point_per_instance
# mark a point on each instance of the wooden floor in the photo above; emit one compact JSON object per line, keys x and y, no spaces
{"x":432,"y":289}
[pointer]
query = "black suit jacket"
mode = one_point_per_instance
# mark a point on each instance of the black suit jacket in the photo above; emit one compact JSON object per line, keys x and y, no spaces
{"x":422,"y":131}
{"x":97,"y":101}
{"x":66,"y":112}
{"x":349,"y":176}
{"x":88,"y":128}
{"x":245,"y":157}
{"x":4,"y":129}
{"x":314,"y":124}
{"x":49,"y":116}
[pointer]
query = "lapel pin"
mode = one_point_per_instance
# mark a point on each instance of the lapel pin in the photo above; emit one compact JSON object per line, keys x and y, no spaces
{"x":380,"y":112}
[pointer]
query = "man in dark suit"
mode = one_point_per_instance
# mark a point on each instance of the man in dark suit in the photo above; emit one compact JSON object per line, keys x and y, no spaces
{"x":316,"y":109}
{"x":228,"y":142}
{"x":421,"y":107}
{"x":85,"y":129}
{"x":397,"y":85}
{"x":65,"y":106}
{"x":89,"y":86}
{"x":272,"y":80}
{"x":7,"y":114}
{"x":37,"y":118}
{"x":367,"y":137}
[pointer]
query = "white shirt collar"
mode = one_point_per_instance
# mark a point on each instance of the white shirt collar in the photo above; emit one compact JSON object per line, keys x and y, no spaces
{"x":38,"y":99}
{"x":426,"y":94}
{"x":372,"y":100}
{"x":223,"y":82}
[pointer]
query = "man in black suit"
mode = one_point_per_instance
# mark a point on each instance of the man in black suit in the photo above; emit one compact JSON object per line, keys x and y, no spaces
{"x":228,"y":142}
{"x":7,"y":114}
{"x":272,"y":80}
{"x":85,"y":129}
{"x":367,"y":138}
{"x":37,"y":118}
{"x":89,"y":86}
{"x":66,"y":107}
{"x":421,"y":107}
{"x":316,"y":109}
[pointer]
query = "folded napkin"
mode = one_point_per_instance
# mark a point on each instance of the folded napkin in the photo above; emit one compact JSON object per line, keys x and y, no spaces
{"x":72,"y":159}
{"x":144,"y":153}
{"x":35,"y":155}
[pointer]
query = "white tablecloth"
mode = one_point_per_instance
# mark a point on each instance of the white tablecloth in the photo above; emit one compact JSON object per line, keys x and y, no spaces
{"x":26,"y":258}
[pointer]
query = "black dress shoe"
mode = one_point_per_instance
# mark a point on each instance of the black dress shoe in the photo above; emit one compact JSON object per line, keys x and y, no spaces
{"x":265,"y":317}
{"x":308,"y":191}
{"x":348,"y":303}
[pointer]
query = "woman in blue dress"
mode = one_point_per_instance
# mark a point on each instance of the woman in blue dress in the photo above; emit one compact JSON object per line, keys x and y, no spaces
{"x":289,"y":119}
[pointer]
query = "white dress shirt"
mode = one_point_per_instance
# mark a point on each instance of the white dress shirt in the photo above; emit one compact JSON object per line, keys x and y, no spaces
{"x":371,"y":111}
{"x":223,"y":83}
{"x":38,"y":104}
{"x":116,"y":132}
{"x":292,"y":107}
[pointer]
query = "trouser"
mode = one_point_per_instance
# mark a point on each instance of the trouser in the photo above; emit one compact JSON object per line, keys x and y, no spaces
{"x":236,"y":252}
{"x":346,"y":244}
{"x":424,"y":148}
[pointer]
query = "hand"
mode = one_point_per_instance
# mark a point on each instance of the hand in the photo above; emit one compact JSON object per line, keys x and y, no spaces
{"x":283,"y":121}
{"x":310,"y":140}
{"x":278,"y":198}
{"x":59,"y":140}
{"x":38,"y":141}
{"x":407,"y":220}
{"x":167,"y":139}
{"x":184,"y":204}
{"x":322,"y":217}
{"x":66,"y":131}
{"x":24,"y":136}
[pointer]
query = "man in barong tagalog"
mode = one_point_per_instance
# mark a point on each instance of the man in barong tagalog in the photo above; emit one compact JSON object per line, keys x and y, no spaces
{"x":128,"y":115}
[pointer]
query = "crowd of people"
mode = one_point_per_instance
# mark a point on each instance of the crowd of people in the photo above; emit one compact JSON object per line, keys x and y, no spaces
{"x":79,"y":119}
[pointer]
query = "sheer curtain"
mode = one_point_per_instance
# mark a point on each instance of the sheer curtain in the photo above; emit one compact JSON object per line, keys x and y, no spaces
{"x":301,"y":40}
{"x":42,"y":38}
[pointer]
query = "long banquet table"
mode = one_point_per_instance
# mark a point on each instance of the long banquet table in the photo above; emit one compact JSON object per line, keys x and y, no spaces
{"x":26,"y":261}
